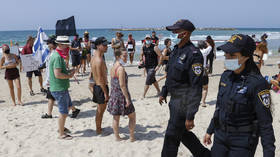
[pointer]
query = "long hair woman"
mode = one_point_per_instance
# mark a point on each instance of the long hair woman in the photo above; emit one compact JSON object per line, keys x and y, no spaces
{"x":120,"y":100}
{"x":212,"y":54}
{"x":10,"y":62}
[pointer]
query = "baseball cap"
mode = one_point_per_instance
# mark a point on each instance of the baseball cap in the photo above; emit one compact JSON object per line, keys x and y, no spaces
{"x":101,"y":40}
{"x":239,"y":43}
{"x":278,"y":62}
{"x":148,"y":36}
{"x":51,"y":39}
{"x":182,"y":24}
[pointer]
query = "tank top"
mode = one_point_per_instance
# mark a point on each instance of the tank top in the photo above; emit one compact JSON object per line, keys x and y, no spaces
{"x":167,"y":54}
{"x":151,"y":58}
{"x":130,"y":45}
{"x":10,"y":61}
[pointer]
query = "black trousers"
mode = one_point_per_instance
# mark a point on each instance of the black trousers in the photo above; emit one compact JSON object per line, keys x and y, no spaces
{"x":176,"y":132}
{"x":210,"y":58}
{"x":233,"y":145}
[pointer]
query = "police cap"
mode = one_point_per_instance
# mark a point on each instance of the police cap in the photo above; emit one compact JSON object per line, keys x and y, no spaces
{"x":182,"y":24}
{"x":239,"y":43}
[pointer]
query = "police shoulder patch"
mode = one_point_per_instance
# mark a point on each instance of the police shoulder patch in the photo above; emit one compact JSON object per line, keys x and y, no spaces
{"x":197,"y":68}
{"x":265,"y":98}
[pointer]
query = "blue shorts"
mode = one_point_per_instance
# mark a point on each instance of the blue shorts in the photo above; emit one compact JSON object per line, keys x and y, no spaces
{"x":63,"y":101}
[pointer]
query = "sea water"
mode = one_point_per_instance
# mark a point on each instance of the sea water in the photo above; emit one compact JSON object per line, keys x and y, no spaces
{"x":220,"y":36}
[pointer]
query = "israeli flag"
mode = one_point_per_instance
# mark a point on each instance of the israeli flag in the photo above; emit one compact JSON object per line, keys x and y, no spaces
{"x":40,"y":47}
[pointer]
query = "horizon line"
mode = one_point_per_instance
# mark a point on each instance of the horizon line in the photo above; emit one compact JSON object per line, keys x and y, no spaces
{"x":144,"y":28}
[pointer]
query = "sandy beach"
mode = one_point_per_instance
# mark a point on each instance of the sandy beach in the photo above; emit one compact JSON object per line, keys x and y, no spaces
{"x":24,"y":134}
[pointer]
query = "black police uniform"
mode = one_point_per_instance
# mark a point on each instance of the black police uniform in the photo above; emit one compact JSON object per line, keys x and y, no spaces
{"x":242,"y":115}
{"x":184,"y":83}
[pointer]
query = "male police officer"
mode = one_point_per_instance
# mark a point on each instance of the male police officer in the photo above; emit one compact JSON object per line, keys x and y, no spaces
{"x":184,"y":83}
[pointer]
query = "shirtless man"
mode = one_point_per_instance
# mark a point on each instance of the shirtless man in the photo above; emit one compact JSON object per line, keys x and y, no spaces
{"x":99,"y":71}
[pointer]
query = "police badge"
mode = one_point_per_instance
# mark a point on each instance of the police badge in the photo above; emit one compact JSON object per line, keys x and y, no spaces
{"x":264,"y":97}
{"x":197,"y":69}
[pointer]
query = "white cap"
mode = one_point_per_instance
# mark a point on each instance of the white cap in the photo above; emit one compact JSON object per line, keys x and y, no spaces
{"x":147,"y":36}
{"x":278,"y":62}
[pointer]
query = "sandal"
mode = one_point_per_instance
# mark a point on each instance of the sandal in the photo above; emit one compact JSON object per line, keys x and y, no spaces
{"x":65,"y":137}
{"x":45,"y":116}
{"x":66,"y":131}
{"x":32,"y":93}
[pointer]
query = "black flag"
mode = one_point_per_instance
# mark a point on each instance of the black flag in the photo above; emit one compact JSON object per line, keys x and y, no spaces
{"x":66,"y":27}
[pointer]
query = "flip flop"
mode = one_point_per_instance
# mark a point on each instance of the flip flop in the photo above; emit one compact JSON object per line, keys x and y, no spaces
{"x":65,"y":137}
{"x":32,"y":93}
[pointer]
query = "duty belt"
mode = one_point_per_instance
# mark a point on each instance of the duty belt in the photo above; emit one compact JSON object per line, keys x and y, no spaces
{"x":180,"y":91}
{"x":240,"y":129}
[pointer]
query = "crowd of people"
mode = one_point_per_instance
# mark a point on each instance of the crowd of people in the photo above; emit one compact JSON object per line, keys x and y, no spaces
{"x":243,"y":101}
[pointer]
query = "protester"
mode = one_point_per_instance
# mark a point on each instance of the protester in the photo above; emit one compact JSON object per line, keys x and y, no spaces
{"x":151,"y":53}
{"x":130,"y":46}
{"x":120,"y":100}
{"x":59,"y":83}
{"x":117,"y":42}
{"x":205,"y":48}
{"x":52,"y":46}
{"x":275,"y":80}
{"x":254,"y":38}
{"x":87,"y":48}
{"x":243,"y":109}
{"x":27,"y":49}
{"x":212,"y":55}
{"x":9,"y":62}
{"x":154,"y":38}
{"x":75,"y":49}
{"x":165,"y":56}
{"x":99,"y":71}
{"x":184,"y":83}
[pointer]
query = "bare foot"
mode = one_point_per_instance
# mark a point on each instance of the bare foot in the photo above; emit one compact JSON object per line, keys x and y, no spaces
{"x":118,"y":138}
{"x":132,"y":139}
{"x":20,"y":103}
{"x":98,"y":131}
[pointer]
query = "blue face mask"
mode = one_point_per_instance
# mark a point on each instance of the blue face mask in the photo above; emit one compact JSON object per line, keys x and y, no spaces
{"x":148,"y":42}
{"x":232,"y":64}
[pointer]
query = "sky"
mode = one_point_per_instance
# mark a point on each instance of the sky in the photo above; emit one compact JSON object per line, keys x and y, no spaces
{"x":30,"y":14}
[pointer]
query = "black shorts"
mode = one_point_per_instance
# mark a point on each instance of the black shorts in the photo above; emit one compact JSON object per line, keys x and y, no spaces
{"x":83,"y":57}
{"x":49,"y":95}
{"x":98,"y":94}
{"x":205,"y":80}
{"x":36,"y":73}
{"x":75,"y":60}
{"x":151,"y":76}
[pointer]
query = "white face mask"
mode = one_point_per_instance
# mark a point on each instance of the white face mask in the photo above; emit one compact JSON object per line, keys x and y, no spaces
{"x":122,"y":62}
{"x":232,"y":64}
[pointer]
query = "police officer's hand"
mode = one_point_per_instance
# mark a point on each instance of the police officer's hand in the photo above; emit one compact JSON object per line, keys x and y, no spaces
{"x":207,"y":139}
{"x":189,"y":124}
{"x":162,"y":99}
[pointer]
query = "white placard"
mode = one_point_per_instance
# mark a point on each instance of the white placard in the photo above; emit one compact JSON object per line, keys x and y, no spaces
{"x":29,"y":63}
{"x":14,"y":50}
{"x":130,"y":46}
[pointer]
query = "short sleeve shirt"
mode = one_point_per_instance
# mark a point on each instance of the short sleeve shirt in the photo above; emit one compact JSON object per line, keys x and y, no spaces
{"x":75,"y":44}
{"x":57,"y":62}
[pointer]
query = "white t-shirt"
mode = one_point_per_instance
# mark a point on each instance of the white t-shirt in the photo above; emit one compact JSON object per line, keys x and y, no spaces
{"x":205,"y":53}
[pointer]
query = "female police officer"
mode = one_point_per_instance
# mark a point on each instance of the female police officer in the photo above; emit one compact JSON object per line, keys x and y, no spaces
{"x":243,"y":105}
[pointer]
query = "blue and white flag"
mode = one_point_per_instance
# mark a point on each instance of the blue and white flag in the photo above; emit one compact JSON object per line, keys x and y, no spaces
{"x":40,"y":47}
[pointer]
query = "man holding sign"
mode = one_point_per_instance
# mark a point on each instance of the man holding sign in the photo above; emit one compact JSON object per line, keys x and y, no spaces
{"x":27,"y":49}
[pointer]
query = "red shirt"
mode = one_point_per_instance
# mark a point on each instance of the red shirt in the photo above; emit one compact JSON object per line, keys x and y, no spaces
{"x":26,"y":50}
